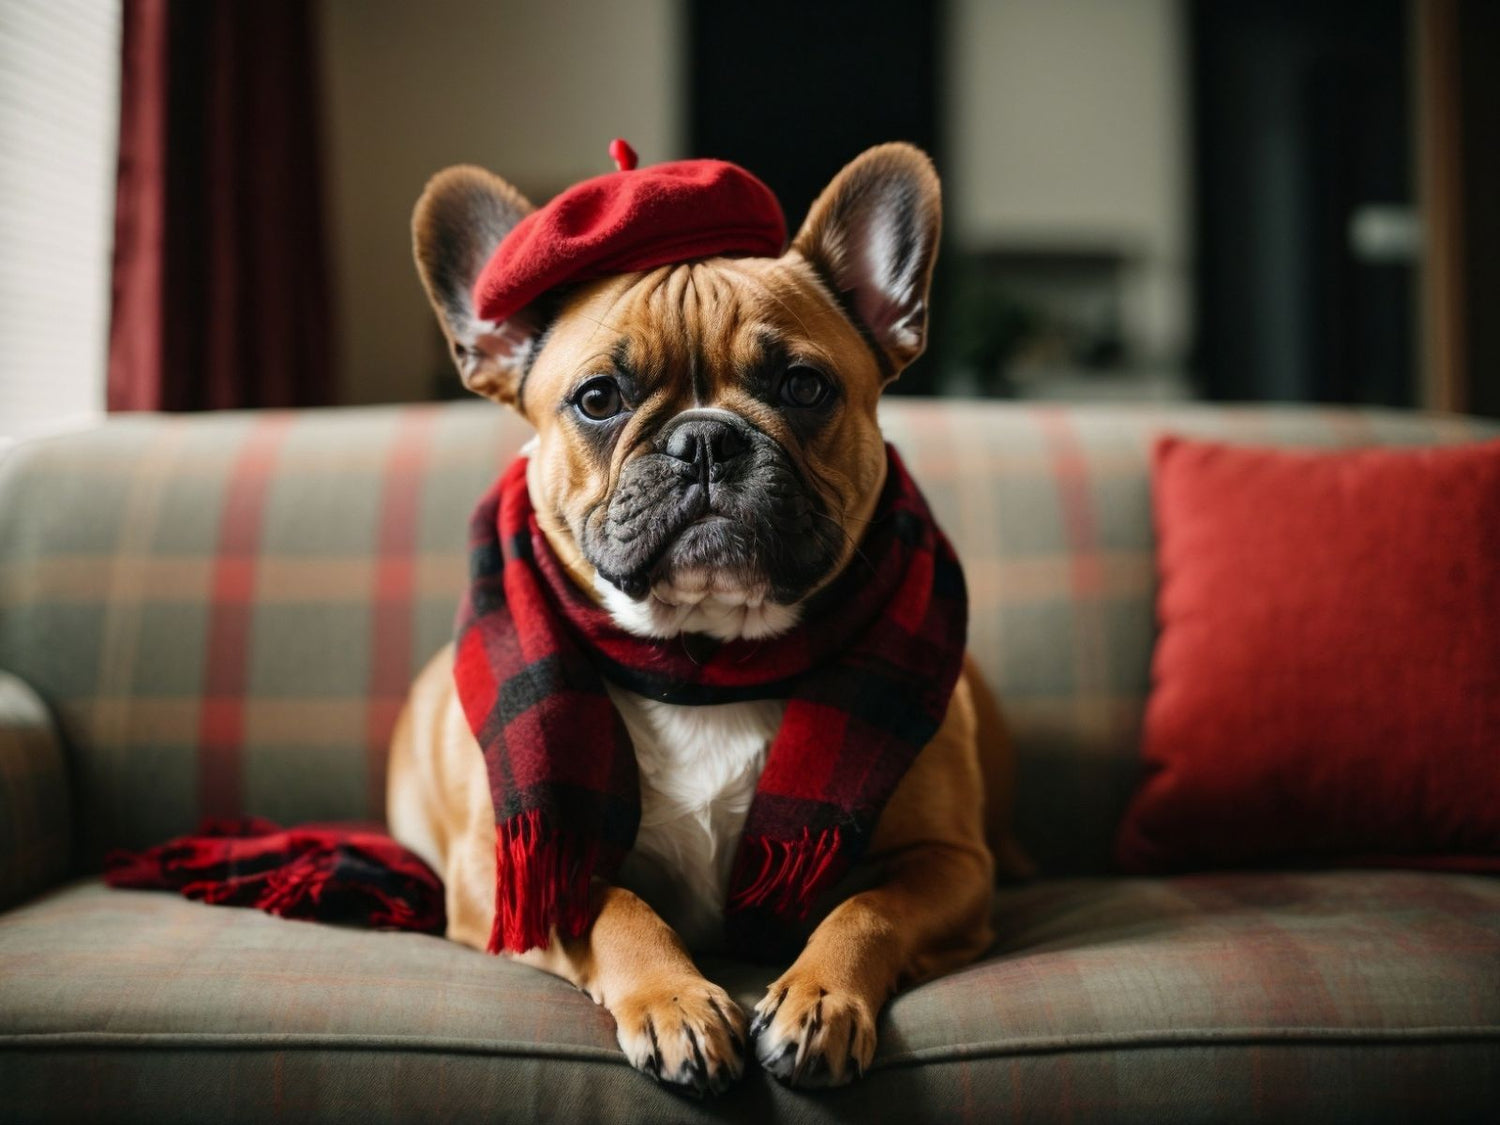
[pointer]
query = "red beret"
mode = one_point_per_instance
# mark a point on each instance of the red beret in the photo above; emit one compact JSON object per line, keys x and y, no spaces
{"x":630,"y":220}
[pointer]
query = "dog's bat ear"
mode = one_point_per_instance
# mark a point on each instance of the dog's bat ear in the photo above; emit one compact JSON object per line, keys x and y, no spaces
{"x":460,"y":219}
{"x":873,"y":236}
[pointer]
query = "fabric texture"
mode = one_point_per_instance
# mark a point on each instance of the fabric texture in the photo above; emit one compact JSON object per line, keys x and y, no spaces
{"x":224,"y":612}
{"x":1351,"y":996}
{"x":36,"y":822}
{"x":320,"y":873}
{"x":1327,"y":680}
{"x":868,"y":674}
{"x":633,"y":219}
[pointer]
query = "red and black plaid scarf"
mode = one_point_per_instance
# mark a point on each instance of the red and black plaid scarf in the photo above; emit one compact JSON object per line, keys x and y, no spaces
{"x":868,"y":674}
{"x":320,"y":873}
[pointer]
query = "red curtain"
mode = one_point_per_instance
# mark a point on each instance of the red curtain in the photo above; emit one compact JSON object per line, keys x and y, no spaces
{"x":220,"y":272}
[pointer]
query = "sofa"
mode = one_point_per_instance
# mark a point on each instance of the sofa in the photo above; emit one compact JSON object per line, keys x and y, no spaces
{"x":220,"y":614}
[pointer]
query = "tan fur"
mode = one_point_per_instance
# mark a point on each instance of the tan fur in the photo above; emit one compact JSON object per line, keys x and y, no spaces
{"x":931,"y":867}
{"x":720,"y":306}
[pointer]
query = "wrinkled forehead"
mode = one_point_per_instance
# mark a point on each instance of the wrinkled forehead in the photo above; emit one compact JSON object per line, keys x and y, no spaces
{"x":699,"y":329}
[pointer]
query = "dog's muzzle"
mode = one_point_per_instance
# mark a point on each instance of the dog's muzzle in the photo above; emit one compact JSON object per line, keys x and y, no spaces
{"x":715,"y":494}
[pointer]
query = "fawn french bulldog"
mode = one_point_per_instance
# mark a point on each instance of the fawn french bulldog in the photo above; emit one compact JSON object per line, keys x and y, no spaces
{"x":708,"y":477}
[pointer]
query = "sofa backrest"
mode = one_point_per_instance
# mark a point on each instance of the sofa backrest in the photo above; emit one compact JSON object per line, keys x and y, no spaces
{"x":225,"y":610}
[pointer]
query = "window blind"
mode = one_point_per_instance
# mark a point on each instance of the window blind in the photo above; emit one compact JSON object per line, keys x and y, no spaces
{"x":59,"y":116}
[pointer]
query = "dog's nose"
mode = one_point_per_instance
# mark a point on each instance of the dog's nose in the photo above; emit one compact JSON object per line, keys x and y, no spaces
{"x":706,"y":442}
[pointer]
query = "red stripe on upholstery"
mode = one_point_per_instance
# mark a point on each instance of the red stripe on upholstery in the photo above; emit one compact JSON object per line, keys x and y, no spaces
{"x":1070,"y":471}
{"x":221,"y":721}
{"x":391,"y":623}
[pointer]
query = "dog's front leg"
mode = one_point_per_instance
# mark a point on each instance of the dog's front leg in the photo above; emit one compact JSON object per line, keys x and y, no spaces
{"x":928,"y":915}
{"x":672,"y":1023}
{"x":816,"y":1024}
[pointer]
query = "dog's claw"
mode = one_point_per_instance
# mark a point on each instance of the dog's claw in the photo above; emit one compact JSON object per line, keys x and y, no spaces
{"x":696,"y":1077}
{"x":653,"y":1060}
{"x":802,"y":1030}
{"x":685,"y":1038}
{"x":734,"y":1035}
{"x":799,"y":1065}
{"x":697,"y":1070}
{"x":765,"y":1013}
{"x":783,"y":1065}
{"x":815,"y":1071}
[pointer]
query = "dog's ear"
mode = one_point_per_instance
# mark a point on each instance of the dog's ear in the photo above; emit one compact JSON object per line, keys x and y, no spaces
{"x":460,"y":219}
{"x":873,"y":236}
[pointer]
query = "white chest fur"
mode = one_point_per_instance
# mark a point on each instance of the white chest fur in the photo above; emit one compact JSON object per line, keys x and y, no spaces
{"x":698,"y":770}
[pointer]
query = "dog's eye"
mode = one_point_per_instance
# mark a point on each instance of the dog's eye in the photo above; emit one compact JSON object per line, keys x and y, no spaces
{"x":804,"y":387}
{"x":599,"y":399}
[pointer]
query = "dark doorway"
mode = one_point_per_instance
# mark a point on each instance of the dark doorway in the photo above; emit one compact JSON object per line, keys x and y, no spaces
{"x":1479,"y":125}
{"x":1306,"y":237}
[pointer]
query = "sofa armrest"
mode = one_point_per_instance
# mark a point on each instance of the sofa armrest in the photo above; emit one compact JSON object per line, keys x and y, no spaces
{"x":36,"y":828}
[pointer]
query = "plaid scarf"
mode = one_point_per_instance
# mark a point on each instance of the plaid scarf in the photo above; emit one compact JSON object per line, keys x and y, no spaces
{"x":320,"y":873}
{"x":867,"y":676}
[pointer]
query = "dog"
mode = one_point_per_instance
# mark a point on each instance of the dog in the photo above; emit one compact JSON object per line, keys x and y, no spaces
{"x":791,"y":353}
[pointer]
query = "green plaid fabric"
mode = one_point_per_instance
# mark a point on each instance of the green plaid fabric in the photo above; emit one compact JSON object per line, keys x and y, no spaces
{"x":225,"y":610}
{"x":224,"y":613}
{"x":1355,"y":996}
{"x":35,"y":818}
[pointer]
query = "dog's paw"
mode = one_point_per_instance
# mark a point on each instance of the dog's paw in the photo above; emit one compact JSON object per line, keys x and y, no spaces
{"x":686,"y":1033}
{"x":809,"y":1035}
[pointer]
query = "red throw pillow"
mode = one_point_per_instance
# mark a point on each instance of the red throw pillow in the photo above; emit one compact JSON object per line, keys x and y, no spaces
{"x":1326,"y":684}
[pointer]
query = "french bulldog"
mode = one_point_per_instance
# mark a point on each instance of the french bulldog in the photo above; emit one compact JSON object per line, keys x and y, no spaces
{"x":778,"y":363}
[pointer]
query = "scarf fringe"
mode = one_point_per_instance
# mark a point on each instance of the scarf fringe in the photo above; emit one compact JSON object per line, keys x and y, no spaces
{"x":542,"y":879}
{"x":785,"y":876}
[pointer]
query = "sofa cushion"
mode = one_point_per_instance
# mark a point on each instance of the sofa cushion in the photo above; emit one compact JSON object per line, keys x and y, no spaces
{"x":1327,"y":681}
{"x":1357,"y":996}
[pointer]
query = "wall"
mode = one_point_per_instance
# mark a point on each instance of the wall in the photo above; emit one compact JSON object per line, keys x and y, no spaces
{"x":1069,"y":128}
{"x":534,"y":91}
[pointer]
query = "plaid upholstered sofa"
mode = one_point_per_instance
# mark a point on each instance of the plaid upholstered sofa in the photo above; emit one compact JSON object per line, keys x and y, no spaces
{"x":218,"y":614}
